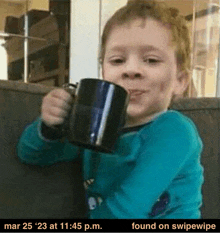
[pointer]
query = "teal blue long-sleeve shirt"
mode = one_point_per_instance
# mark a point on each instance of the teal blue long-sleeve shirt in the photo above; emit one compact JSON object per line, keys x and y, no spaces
{"x":155,"y":171}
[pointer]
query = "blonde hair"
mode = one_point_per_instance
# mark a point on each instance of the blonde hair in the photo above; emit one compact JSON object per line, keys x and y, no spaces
{"x":142,"y":9}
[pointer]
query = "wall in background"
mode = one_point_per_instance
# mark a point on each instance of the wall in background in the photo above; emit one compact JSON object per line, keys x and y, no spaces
{"x":38,"y":4}
{"x":18,"y":8}
{"x":87,"y":21}
{"x":7,"y":9}
{"x":3,"y":61}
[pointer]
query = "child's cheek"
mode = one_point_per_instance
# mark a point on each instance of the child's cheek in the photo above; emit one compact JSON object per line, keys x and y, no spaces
{"x":165,"y":86}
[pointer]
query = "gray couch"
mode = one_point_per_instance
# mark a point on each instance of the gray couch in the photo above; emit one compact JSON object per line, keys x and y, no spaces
{"x":28,"y":191}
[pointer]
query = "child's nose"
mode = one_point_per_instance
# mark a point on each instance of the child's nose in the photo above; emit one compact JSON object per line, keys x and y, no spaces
{"x":132,"y":70}
{"x":131,"y":75}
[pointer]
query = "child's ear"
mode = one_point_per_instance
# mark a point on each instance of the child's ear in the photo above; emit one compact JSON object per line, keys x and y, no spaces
{"x":182,"y":83}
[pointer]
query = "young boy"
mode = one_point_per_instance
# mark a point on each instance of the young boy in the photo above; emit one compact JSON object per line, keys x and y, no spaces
{"x":155,"y":171}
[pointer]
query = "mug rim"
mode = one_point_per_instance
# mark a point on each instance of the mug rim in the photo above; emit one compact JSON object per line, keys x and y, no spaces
{"x":102,"y":80}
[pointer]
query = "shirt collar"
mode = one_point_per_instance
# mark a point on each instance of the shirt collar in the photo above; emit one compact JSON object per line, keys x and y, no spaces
{"x":153,"y":118}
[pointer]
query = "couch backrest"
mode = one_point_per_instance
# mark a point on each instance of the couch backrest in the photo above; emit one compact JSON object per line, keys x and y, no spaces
{"x":29,"y":191}
{"x":205,"y":112}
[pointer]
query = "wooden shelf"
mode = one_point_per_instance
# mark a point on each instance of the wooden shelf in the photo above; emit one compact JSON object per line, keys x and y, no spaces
{"x":45,"y":29}
{"x":46,"y":55}
{"x":46,"y":75}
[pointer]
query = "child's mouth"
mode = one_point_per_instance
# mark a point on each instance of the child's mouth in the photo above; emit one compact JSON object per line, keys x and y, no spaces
{"x":134,"y":93}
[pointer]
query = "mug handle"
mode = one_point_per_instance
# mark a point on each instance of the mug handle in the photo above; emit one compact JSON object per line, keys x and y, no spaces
{"x":71,"y":89}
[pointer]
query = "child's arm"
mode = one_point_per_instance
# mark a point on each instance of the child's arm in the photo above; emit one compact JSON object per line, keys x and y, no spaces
{"x":40,"y":142}
{"x":33,"y":148}
{"x":167,"y":148}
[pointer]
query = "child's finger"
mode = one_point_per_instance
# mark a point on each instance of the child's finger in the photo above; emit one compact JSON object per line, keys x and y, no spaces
{"x":62,"y":95}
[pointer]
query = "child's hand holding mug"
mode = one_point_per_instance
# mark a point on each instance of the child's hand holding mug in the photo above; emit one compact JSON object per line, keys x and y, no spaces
{"x":96,"y":116}
{"x":55,"y":107}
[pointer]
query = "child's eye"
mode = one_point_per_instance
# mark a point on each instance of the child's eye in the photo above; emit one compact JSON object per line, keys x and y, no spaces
{"x":152,"y":61}
{"x":117,"y":61}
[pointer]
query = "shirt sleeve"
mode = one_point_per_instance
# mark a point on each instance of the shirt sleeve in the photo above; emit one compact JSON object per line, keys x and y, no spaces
{"x":33,"y":148}
{"x":50,"y":133}
{"x":164,"y":151}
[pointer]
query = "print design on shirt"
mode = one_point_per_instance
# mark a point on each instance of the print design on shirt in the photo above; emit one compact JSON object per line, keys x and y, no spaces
{"x":87,"y":183}
{"x":94,"y":200}
{"x":161,"y":205}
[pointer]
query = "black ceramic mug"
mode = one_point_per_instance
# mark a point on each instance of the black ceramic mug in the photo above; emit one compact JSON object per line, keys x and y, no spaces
{"x":97,"y":114}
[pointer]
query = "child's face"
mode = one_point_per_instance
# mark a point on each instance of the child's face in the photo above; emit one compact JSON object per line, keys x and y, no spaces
{"x":141,"y":59}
